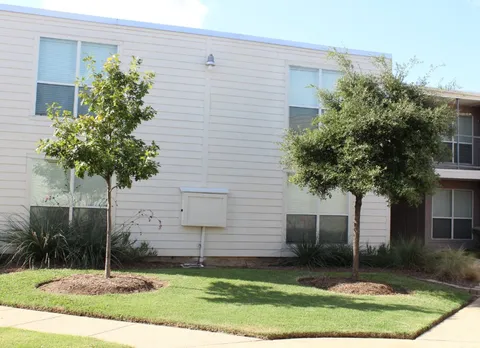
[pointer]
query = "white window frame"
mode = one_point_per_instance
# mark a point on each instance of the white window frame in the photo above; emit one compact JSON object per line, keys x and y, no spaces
{"x":77,"y":70}
{"x":320,"y":111}
{"x":453,"y":218}
{"x":318,"y":215}
{"x":317,"y":224}
{"x":453,"y":142}
{"x":319,"y":107}
{"x":71,"y":192}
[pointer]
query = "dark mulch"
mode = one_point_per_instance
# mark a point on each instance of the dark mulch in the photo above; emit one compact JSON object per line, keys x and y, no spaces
{"x":97,"y":284}
{"x":409,"y":273}
{"x":10,"y":269}
{"x":349,"y":286}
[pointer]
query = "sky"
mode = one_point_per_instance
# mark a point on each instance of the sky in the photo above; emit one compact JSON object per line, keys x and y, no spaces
{"x":442,"y":33}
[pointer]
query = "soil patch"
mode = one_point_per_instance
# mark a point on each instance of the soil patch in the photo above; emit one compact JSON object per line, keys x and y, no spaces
{"x":349,"y":286}
{"x":96,"y":284}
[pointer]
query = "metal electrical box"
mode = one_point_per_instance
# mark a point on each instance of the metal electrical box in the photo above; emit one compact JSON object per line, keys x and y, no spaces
{"x":204,"y":207}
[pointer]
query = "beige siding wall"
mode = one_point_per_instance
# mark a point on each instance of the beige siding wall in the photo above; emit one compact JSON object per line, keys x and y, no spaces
{"x":375,"y":220}
{"x":217,"y":128}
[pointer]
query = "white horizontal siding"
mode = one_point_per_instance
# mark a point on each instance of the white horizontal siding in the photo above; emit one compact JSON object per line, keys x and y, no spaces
{"x":234,"y":146}
{"x":374,"y":221}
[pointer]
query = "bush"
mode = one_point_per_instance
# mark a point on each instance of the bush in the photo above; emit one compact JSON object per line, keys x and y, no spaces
{"x":34,"y":240}
{"x":86,"y":240}
{"x":450,"y":264}
{"x":409,"y":254}
{"x":306,"y":254}
{"x":339,"y":255}
{"x":45,"y":241}
{"x":380,"y":256}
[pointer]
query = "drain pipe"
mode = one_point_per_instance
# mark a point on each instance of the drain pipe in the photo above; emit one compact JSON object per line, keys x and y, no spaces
{"x":201,"y":256}
{"x":458,"y":137}
{"x":202,"y":246}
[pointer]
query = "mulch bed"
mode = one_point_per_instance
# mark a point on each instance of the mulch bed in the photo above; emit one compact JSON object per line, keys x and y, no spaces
{"x":408,"y":273}
{"x":4,"y":270}
{"x":97,"y":284}
{"x":349,"y":286}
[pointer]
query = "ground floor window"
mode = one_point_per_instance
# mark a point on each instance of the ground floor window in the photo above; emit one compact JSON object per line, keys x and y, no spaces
{"x":452,"y":213}
{"x":310,"y":219}
{"x":58,"y":196}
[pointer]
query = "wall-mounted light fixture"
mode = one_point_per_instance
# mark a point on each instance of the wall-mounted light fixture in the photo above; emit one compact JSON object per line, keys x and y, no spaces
{"x":210,"y":63}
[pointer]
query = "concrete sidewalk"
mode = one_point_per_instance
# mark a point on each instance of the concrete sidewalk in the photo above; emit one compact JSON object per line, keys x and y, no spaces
{"x":136,"y":335}
{"x":459,"y":331}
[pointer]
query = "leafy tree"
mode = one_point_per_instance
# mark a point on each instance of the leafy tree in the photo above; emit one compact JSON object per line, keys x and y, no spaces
{"x":101,"y":142}
{"x":378,"y":134}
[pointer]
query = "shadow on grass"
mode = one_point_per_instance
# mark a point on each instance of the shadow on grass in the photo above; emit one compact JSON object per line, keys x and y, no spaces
{"x":289,"y":277}
{"x":247,"y":294}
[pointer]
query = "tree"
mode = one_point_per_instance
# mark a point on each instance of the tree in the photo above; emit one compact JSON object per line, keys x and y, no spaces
{"x":101,"y":142}
{"x":378,"y":134}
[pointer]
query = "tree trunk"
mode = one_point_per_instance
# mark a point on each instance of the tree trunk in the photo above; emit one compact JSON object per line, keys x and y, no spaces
{"x":108,"y":249}
{"x":356,"y":237}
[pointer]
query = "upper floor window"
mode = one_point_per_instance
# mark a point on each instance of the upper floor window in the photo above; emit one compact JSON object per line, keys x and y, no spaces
{"x":461,"y":144}
{"x":304,"y":105}
{"x":452,"y":214}
{"x":60,"y":62}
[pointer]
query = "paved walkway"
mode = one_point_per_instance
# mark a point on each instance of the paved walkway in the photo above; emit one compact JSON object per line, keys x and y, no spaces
{"x":459,"y":331}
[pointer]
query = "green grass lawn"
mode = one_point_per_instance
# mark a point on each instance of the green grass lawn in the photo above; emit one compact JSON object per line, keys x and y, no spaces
{"x":261,"y":303}
{"x":17,"y":338}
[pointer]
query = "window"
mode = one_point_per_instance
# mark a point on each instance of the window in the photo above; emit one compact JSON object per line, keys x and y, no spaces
{"x":463,"y":139}
{"x":310,"y":219}
{"x":61,"y":197}
{"x":452,"y":212}
{"x":60,"y":62}
{"x":303,"y":101}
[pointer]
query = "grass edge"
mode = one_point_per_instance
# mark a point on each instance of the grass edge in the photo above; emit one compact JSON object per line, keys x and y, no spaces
{"x":240,"y":332}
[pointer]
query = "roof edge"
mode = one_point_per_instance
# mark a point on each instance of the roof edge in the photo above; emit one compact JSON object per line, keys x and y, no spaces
{"x":450,"y":93}
{"x":171,"y":28}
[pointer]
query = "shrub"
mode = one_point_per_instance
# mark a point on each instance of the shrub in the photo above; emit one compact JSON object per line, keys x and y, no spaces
{"x":339,"y":255}
{"x":451,"y":264}
{"x":448,"y":264}
{"x":45,"y":241}
{"x":306,"y":254}
{"x":409,"y":254}
{"x":336,"y":255}
{"x":35,"y":240}
{"x":380,"y":256}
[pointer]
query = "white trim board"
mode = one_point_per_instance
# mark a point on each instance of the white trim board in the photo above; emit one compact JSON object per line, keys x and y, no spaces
{"x":195,"y":31}
{"x":204,"y":190}
{"x":461,"y":174}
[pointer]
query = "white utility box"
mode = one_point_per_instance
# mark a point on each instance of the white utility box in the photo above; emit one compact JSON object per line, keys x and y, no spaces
{"x":204,"y":207}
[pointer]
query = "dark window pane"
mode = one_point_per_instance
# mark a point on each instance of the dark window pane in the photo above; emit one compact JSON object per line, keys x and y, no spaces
{"x":301,"y":118}
{"x":448,"y":156}
{"x":465,"y":153}
{"x":48,"y":94}
{"x":52,"y":219}
{"x":301,"y":228}
{"x":462,"y":229}
{"x":91,"y":219}
{"x":333,"y":229}
{"x":442,"y":228}
{"x":82,"y":108}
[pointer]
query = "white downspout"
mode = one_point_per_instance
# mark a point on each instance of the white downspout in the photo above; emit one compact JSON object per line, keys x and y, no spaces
{"x":202,"y":245}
